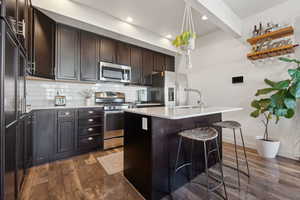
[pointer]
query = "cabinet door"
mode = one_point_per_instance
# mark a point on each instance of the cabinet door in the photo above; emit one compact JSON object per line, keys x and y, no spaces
{"x":148,"y":61}
{"x":89,"y":53}
{"x":108,"y":50}
{"x":123,"y":54}
{"x":136,"y":63}
{"x":65,"y":140}
{"x":10,"y":79}
{"x":159,"y":62}
{"x":28,"y":142}
{"x":170,"y":63}
{"x":44,"y":129}
{"x":10,"y":190}
{"x":20,"y":147}
{"x":44,"y":42}
{"x":67,"y":52}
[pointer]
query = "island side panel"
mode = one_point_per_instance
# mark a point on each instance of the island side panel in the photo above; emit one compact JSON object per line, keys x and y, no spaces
{"x":137,"y":153}
{"x":164,"y":148}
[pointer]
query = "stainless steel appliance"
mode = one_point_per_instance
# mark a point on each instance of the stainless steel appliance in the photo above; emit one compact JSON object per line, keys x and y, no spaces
{"x":114,"y":72}
{"x":169,"y":88}
{"x":114,"y":105}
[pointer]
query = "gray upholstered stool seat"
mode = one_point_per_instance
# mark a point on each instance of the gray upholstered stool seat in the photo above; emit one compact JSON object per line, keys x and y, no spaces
{"x":228,"y":124}
{"x":200,"y":134}
{"x":208,"y":136}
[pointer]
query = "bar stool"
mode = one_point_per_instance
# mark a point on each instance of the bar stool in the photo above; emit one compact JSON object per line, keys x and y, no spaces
{"x":204,"y":134}
{"x":233,"y":125}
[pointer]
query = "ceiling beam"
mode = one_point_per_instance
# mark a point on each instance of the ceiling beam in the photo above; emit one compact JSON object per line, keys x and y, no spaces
{"x":219,"y":14}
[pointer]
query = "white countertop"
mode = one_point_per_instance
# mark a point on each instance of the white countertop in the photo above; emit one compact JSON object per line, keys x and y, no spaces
{"x":180,"y":113}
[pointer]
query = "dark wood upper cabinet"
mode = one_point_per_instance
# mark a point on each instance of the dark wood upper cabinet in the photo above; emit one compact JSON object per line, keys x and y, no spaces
{"x":170,"y":63}
{"x":159,"y":62}
{"x":89,"y":56}
{"x":148,"y":63}
{"x":123,"y":53}
{"x":136,"y":63}
{"x":67,"y":53}
{"x":44,"y":45}
{"x":108,"y":50}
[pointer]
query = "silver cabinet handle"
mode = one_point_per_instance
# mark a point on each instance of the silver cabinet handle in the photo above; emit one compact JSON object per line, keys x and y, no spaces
{"x":91,"y":120}
{"x":90,"y":129}
{"x":67,"y":113}
{"x":90,"y":138}
{"x":91,"y":112}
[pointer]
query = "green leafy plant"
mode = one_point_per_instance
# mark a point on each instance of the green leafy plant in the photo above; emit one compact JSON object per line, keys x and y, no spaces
{"x":183,"y":39}
{"x":283,"y":97}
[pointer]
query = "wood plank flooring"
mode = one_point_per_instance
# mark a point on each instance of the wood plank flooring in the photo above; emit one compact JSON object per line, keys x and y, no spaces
{"x":83,"y":178}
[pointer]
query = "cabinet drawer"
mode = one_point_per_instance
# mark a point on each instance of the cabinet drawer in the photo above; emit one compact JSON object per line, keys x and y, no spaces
{"x":91,"y":130}
{"x":66,"y":113}
{"x":89,"y":142}
{"x":93,"y":120}
{"x":86,"y":113}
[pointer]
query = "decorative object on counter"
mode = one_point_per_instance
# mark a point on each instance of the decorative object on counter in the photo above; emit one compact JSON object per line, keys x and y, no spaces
{"x":264,"y":46}
{"x":281,"y":104}
{"x":186,"y":40}
{"x":60,"y":100}
{"x":88,"y":94}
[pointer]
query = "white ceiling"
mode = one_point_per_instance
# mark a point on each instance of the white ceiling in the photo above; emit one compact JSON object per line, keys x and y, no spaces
{"x":246,"y":8}
{"x":162,"y":17}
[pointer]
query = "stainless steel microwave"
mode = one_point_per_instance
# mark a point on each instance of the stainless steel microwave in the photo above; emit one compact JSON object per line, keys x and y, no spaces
{"x":115,"y":72}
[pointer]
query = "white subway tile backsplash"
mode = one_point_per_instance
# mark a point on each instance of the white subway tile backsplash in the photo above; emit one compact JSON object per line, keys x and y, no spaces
{"x":42,"y":93}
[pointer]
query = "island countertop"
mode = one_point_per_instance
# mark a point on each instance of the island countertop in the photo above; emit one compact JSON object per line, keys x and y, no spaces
{"x":181,"y":112}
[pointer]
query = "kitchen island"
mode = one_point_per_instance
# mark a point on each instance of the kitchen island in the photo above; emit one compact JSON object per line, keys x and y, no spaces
{"x":151,"y":141}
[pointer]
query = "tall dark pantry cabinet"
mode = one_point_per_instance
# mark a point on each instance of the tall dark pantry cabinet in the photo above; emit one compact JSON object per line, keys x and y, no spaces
{"x":14,"y":120}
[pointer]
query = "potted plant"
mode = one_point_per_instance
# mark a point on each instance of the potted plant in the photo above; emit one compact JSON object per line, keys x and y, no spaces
{"x":280,"y":103}
{"x":185,"y":41}
{"x":88,"y":94}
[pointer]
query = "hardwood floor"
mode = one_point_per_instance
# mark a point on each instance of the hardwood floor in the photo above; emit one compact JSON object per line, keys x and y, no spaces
{"x":83,"y":178}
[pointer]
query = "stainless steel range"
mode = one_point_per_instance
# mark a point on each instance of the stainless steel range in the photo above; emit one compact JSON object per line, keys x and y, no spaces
{"x":114,"y":105}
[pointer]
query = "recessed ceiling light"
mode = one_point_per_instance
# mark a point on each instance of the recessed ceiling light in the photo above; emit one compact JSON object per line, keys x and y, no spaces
{"x":169,"y":36}
{"x":129,"y":19}
{"x":204,"y":17}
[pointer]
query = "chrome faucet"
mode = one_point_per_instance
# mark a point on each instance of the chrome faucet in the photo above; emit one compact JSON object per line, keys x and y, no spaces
{"x":199,"y":102}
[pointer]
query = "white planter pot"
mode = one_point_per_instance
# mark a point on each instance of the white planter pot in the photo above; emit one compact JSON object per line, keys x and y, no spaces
{"x":89,"y":102}
{"x":267,"y":149}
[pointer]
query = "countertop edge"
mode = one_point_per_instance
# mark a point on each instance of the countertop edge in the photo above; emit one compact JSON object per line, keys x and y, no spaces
{"x":187,"y":116}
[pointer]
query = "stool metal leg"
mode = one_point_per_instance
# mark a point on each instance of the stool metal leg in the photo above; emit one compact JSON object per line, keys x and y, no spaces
{"x":191,"y":167}
{"x":206,"y":169}
{"x":176,"y":163}
{"x":221,"y":168}
{"x":245,"y":152}
{"x":237,"y":159}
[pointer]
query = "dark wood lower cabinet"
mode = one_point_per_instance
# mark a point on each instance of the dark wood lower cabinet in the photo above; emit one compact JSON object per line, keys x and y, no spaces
{"x":61,"y":133}
{"x":44,"y":128}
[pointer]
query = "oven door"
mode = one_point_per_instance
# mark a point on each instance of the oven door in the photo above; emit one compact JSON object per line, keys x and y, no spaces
{"x":114,"y":72}
{"x":113,"y":129}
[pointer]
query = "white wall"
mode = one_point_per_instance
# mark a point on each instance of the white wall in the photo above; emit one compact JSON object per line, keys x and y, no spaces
{"x":220,"y":56}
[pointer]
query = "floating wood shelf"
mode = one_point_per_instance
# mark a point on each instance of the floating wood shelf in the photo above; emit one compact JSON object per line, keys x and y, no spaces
{"x":273,"y":35}
{"x":272,"y":52}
